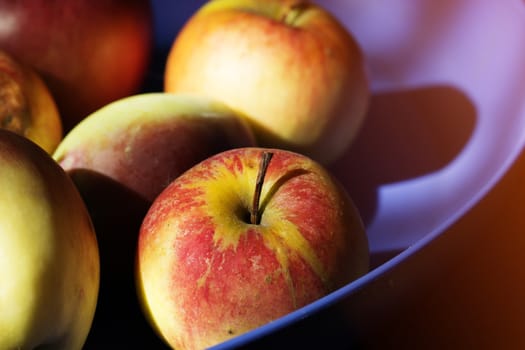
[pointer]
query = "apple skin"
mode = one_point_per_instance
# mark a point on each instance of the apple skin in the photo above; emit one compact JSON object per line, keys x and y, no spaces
{"x":289,"y":65}
{"x":144,"y":141}
{"x":205,"y":274}
{"x":49,"y":259}
{"x":89,"y":53}
{"x":26,"y":104}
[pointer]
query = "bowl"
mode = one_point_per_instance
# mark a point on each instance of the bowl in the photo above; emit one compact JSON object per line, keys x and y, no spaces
{"x":445,"y":125}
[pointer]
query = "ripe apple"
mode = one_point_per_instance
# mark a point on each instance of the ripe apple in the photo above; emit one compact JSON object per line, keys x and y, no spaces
{"x":49,"y":262}
{"x":26,"y":105}
{"x":236,"y":242}
{"x":288,"y":65}
{"x":88,"y":52}
{"x":144,"y":141}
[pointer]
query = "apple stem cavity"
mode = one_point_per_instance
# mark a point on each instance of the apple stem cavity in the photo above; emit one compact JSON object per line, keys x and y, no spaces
{"x":255,"y":215}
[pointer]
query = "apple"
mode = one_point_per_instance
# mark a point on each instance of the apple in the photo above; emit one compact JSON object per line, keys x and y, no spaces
{"x":88,"y":52}
{"x":49,"y":262}
{"x":241,"y":239}
{"x":144,"y":141}
{"x":26,"y":104}
{"x":288,"y":65}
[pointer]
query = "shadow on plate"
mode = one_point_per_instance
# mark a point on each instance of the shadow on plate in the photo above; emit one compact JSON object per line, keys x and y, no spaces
{"x":407,"y":134}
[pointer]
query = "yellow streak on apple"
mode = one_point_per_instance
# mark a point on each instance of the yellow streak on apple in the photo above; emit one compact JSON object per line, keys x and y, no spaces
{"x":278,"y":233}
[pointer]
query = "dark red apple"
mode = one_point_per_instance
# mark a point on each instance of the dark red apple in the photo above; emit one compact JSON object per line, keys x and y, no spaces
{"x":88,"y":52}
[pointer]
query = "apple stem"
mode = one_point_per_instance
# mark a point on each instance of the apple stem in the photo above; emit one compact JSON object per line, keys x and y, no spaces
{"x":294,"y":12}
{"x":265,"y":160}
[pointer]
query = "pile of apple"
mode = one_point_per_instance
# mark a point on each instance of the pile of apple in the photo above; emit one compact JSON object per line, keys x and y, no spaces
{"x":198,"y":212}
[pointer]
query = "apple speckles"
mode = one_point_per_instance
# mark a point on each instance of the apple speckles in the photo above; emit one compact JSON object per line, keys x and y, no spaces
{"x":256,"y":262}
{"x":12,"y":105}
{"x":202,"y":279}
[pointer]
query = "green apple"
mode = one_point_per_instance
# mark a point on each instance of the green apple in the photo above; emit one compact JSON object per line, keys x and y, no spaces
{"x":49,"y":262}
{"x":290,"y":66}
{"x":146,"y":140}
{"x":236,"y":242}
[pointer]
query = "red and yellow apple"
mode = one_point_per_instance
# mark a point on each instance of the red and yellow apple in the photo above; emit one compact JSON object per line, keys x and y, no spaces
{"x":49,"y":262}
{"x":288,"y":65}
{"x":89,"y":53}
{"x":144,"y":141}
{"x":26,"y":104}
{"x":226,"y":247}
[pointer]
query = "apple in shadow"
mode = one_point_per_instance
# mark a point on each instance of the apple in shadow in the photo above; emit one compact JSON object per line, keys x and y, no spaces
{"x":117,"y":214}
